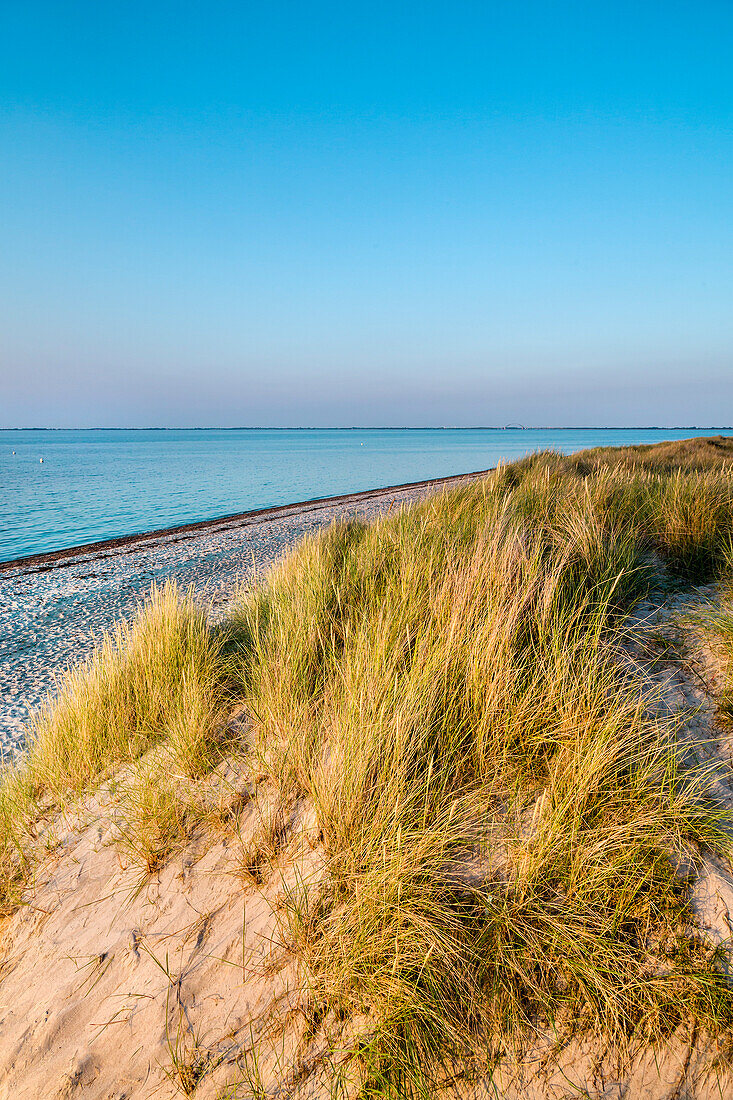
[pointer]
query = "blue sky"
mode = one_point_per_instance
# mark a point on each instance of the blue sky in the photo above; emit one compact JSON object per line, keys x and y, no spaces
{"x":289,"y":213}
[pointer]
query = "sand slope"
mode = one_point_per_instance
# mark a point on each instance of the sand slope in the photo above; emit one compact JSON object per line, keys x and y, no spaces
{"x":115,"y":984}
{"x":116,"y":987}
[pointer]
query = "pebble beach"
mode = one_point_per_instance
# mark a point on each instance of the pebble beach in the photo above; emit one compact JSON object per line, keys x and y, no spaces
{"x":53,"y":608}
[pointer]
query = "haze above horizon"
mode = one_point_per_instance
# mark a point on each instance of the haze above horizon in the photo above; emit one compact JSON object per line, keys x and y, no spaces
{"x":285,"y":214}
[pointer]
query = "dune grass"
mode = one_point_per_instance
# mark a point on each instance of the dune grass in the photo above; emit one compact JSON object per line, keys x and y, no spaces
{"x":158,"y":681}
{"x":717,"y":620}
{"x":699,"y":453}
{"x":502,"y":814}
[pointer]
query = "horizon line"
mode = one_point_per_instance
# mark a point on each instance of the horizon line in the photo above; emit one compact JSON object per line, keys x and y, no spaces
{"x":374,"y":428}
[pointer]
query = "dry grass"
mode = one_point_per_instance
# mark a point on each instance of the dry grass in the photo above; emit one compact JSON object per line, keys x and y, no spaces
{"x":154,"y":816}
{"x":717,"y":619}
{"x":502,"y":815}
{"x":699,"y":453}
{"x":159,"y":678}
{"x":160,"y":681}
{"x":502,"y":819}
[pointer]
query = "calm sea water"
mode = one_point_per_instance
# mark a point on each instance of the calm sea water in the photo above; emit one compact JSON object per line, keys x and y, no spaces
{"x":102,"y":484}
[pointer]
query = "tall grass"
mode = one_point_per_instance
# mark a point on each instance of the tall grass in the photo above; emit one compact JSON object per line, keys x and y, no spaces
{"x":712,"y":453}
{"x":501,"y":817}
{"x":717,"y":619}
{"x":158,"y":677}
{"x":502,"y":814}
{"x":161,"y":679}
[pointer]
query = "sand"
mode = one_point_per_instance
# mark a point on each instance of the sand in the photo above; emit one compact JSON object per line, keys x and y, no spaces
{"x":117,"y":985}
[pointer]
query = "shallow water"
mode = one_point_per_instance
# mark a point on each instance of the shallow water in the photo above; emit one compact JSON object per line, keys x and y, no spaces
{"x":104,"y":484}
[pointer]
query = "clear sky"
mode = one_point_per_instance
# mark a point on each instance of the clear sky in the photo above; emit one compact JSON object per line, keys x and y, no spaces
{"x":392,"y":213}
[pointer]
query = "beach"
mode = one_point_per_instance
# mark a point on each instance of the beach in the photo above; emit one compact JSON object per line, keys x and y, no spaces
{"x":54,"y":606}
{"x":484,"y":739}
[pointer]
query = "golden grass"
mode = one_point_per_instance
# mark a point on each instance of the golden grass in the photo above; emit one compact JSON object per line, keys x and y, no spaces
{"x":159,"y":677}
{"x":158,"y":680}
{"x":717,"y":619}
{"x":502,"y":815}
{"x":699,"y":453}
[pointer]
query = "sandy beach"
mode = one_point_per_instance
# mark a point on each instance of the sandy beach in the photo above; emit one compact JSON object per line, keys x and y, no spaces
{"x":228,"y":850}
{"x":53,"y":606}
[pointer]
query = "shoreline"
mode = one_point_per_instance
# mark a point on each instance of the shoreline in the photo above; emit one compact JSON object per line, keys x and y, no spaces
{"x":55,"y":606}
{"x":53,"y":559}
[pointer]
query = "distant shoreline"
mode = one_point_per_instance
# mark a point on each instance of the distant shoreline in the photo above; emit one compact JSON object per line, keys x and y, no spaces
{"x":53,"y":559}
{"x":388,"y":428}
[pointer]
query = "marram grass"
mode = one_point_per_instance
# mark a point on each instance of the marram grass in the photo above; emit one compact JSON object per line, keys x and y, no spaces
{"x":502,"y":815}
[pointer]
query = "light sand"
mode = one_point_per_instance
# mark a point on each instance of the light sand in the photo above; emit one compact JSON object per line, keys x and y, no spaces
{"x":110,"y":980}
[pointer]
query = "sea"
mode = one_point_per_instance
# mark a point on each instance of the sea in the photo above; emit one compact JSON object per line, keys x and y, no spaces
{"x":62,"y":488}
